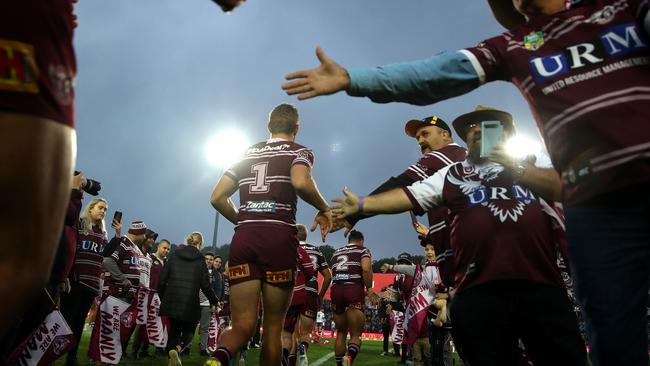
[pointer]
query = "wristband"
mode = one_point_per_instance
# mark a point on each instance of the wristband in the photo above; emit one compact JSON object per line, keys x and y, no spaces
{"x":361,"y":204}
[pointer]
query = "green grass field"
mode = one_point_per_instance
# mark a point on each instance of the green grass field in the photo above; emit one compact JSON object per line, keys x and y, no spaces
{"x":369,"y":355}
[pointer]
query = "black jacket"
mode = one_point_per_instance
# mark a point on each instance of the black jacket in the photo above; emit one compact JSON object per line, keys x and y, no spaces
{"x":180,"y":280}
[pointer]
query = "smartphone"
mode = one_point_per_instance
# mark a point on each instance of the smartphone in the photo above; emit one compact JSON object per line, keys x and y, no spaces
{"x":414,"y":220}
{"x":117,"y":216}
{"x":491,"y":136}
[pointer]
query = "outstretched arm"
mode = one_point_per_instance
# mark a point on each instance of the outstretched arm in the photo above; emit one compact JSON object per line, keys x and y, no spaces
{"x":391,"y":202}
{"x":422,"y":82}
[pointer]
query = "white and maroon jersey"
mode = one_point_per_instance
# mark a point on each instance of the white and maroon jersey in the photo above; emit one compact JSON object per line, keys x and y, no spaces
{"x":586,"y":74}
{"x":264,"y":176}
{"x":126,"y":256}
{"x":318,"y":261}
{"x":87,"y":265}
{"x":144,"y":264}
{"x":439,"y":220}
{"x":346,"y":264}
{"x":499,"y":229}
{"x":304,"y":270}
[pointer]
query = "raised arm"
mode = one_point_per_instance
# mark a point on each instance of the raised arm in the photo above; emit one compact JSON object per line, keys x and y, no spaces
{"x":445,"y":75}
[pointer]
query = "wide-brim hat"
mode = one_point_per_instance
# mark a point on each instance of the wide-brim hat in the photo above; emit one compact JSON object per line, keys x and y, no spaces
{"x":480,"y":114}
{"x":412,"y":126}
{"x":506,"y":14}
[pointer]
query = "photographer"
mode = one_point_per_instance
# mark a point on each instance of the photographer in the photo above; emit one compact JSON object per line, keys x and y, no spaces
{"x":87,"y":265}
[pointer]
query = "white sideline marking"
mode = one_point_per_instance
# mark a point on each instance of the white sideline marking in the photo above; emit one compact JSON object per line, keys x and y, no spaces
{"x":322,"y":360}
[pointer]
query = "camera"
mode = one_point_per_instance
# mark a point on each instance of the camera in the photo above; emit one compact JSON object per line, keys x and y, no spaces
{"x":90,"y":186}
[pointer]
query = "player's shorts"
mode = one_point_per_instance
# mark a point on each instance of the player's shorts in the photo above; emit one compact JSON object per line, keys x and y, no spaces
{"x":291,"y":319}
{"x":346,"y":296}
{"x":311,"y":305}
{"x":263,"y":252}
{"x":37,"y":61}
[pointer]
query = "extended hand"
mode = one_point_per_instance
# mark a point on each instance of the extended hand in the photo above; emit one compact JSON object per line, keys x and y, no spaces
{"x":328,"y":78}
{"x":345,"y":206}
{"x":384,"y":268}
{"x":340,"y":224}
{"x":324,"y":220}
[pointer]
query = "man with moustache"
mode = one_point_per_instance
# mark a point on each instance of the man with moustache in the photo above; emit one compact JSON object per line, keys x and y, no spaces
{"x":434,"y":139}
{"x":504,"y":247}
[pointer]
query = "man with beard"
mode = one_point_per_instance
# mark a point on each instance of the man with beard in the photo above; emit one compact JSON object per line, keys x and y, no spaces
{"x":504,"y":246}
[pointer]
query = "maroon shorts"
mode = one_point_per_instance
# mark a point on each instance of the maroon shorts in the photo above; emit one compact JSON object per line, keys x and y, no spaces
{"x":37,"y":61}
{"x":291,"y":319}
{"x":346,"y":296}
{"x":263,"y":252}
{"x":311,"y":305}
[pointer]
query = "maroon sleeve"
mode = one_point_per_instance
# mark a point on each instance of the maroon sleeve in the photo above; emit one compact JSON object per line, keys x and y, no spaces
{"x":74,"y":208}
{"x":304,"y":157}
{"x":306,"y":265}
{"x":487,"y":59}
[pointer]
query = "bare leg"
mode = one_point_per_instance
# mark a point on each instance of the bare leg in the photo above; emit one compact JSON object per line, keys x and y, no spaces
{"x":306,"y":327}
{"x":341,"y":334}
{"x":244,"y":299}
{"x":36,"y":160}
{"x":276,"y":301}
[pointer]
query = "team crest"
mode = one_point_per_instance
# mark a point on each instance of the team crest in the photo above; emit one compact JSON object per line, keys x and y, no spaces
{"x":127,"y":319}
{"x":534,"y":41}
{"x":59,"y":345}
{"x":505,"y":203}
{"x":603,"y":16}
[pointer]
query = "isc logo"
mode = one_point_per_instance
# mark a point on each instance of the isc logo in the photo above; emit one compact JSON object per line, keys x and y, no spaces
{"x":617,"y":41}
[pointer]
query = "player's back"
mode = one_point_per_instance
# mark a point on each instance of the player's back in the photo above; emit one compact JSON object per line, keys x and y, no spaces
{"x":264,"y":177}
{"x":346,"y":264}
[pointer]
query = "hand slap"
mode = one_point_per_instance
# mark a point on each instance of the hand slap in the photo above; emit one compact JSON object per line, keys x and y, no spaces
{"x":324,"y":220}
{"x":345,"y":206}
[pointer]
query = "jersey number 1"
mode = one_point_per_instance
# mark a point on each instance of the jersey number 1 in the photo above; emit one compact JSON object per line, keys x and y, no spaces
{"x":260,"y":186}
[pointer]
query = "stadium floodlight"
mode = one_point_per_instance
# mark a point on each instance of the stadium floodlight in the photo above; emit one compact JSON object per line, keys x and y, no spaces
{"x":222,"y":151}
{"x":225,"y":148}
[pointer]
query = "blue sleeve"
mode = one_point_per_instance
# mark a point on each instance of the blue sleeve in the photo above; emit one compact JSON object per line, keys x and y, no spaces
{"x":445,"y":75}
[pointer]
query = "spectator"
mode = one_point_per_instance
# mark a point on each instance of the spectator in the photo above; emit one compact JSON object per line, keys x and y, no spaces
{"x":123,"y":272}
{"x":87,"y":269}
{"x":182,"y":277}
{"x":206,"y":311}
{"x":505,"y":249}
{"x":565,"y":57}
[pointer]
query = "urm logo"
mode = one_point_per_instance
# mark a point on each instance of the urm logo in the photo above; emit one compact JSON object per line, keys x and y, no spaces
{"x":618,"y":41}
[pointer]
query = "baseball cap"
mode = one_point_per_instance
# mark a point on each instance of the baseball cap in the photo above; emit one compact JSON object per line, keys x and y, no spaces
{"x":404,"y":258}
{"x":412,"y":126}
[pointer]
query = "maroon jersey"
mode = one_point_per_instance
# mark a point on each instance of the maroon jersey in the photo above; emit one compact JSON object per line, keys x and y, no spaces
{"x":500,"y":230}
{"x":157,"y":265}
{"x":126,"y":256}
{"x":346,"y":264}
{"x":266,"y":194}
{"x":439,"y":220}
{"x":88,"y":259}
{"x":586,"y":74}
{"x":37,"y":61}
{"x":320,"y":264}
{"x":305,"y":270}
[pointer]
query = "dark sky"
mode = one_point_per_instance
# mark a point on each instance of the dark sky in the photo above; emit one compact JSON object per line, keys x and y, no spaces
{"x":158,"y":78}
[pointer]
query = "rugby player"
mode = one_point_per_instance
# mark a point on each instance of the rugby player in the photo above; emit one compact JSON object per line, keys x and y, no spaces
{"x":263,"y":249}
{"x":352,"y":280}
